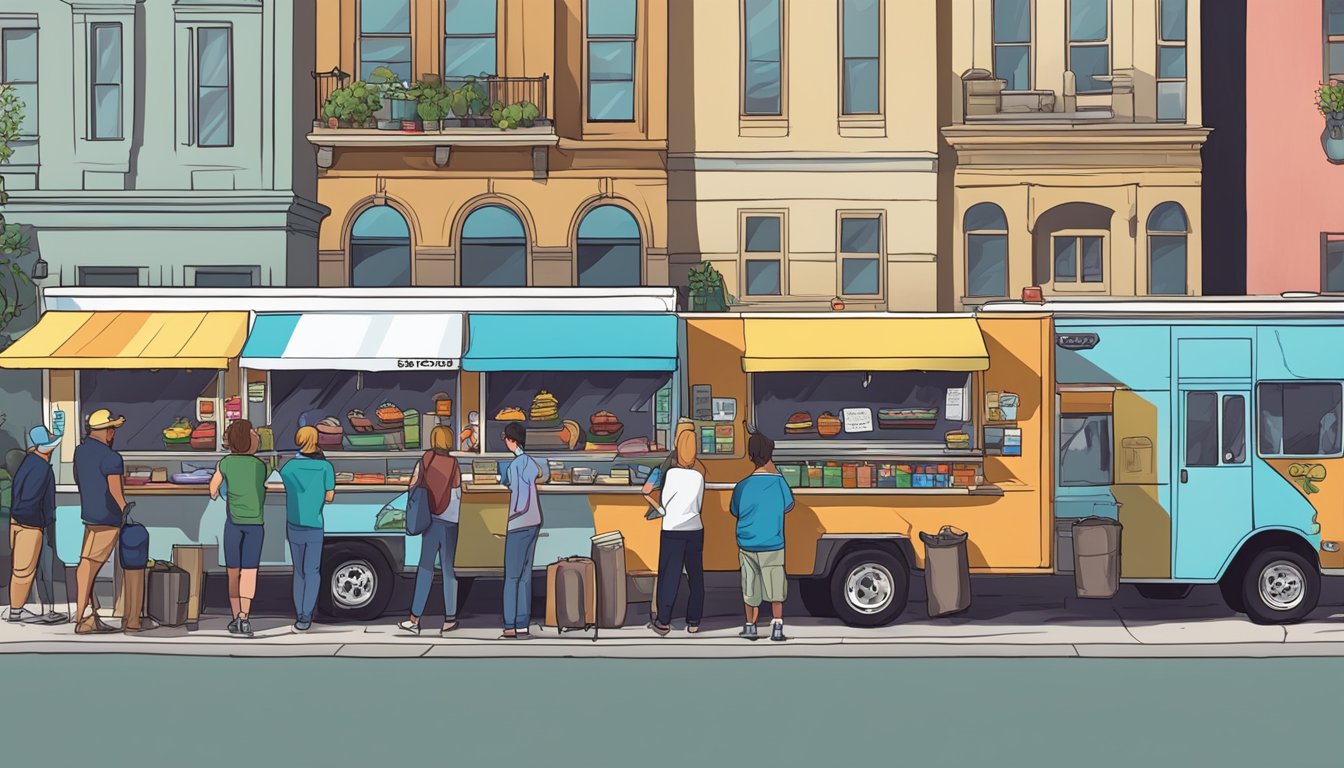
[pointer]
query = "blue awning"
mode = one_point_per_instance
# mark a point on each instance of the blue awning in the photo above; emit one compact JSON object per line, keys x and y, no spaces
{"x":353,"y":341}
{"x":571,"y":342}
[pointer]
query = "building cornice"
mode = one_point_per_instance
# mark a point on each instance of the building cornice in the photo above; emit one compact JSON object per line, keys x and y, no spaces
{"x":1070,"y":137}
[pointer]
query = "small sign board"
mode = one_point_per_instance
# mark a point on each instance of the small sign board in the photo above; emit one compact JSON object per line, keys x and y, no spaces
{"x":1076,"y":341}
{"x":857,"y":419}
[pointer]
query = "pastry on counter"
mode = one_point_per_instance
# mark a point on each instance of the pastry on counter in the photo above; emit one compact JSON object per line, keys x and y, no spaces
{"x":799,"y":423}
{"x":511,"y":414}
{"x":828,"y":424}
{"x":359,"y":422}
{"x":390,"y":415}
{"x":605,"y":429}
{"x":573,"y":433}
{"x":957,"y":441}
{"x":545,"y":408}
{"x":907,"y":418}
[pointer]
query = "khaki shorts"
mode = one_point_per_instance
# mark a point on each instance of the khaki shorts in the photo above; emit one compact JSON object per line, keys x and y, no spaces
{"x":99,"y":541}
{"x":763,"y":577}
{"x":25,"y":542}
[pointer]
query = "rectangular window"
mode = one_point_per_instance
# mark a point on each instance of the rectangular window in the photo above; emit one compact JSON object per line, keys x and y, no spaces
{"x":1332,"y":262}
{"x":469,"y":46}
{"x":1234,"y":429}
{"x":1079,"y":258}
{"x":1171,"y":64}
{"x":861,"y":58}
{"x":763,"y":254}
{"x":762,"y":58}
{"x":629,"y":396}
{"x":1201,"y":429}
{"x":307,"y":397}
{"x":1299,"y":419}
{"x":904,"y":406}
{"x":1085,"y":450}
{"x":1012,"y":43}
{"x":105,"y":81}
{"x":214,"y":87}
{"x":385,"y":37}
{"x":1089,"y":44}
{"x":109,"y":277}
{"x":611,"y":60}
{"x":150,"y":400}
{"x":860,"y":255}
{"x":987,"y":264}
{"x":226,"y":278}
{"x":19,"y":54}
{"x":1333,"y":56}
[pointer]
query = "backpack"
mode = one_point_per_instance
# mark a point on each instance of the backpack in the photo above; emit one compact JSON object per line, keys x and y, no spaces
{"x":133,"y":544}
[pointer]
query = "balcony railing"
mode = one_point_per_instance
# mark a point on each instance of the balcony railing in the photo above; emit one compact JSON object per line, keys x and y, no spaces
{"x":986,"y":99}
{"x":483,"y":96}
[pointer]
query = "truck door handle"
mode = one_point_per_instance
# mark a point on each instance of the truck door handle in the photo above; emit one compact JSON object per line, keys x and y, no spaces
{"x":1185,"y":476}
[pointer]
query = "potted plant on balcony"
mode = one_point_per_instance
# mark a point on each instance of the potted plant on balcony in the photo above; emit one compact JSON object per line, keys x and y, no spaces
{"x":468,"y":103}
{"x":352,"y":106}
{"x":402,"y":97}
{"x":1330,"y":101}
{"x":522,"y":114}
{"x":433,"y":102}
{"x":707,"y":289}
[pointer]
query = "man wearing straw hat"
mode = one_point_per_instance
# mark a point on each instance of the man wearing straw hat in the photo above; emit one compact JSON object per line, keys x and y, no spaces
{"x":98,"y":471}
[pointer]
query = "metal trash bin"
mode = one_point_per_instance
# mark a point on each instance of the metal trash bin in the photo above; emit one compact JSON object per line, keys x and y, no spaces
{"x":947,"y":571}
{"x":1096,"y":557}
{"x":609,"y":559}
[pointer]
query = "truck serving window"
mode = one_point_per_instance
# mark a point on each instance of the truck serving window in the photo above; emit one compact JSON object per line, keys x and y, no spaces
{"x":1085,"y":450}
{"x":1299,"y":419}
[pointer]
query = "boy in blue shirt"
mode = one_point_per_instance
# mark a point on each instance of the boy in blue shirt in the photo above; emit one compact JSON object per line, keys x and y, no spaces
{"x":759,"y":503}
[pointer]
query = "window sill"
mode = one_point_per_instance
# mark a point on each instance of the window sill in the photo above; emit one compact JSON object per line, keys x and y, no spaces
{"x":863,"y":126}
{"x":762,"y":127}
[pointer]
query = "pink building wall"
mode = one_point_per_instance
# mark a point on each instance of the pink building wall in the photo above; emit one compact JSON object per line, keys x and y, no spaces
{"x":1293,"y":193}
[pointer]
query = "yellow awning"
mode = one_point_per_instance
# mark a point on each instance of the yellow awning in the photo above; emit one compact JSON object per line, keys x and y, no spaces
{"x":65,"y":340}
{"x":864,"y":344}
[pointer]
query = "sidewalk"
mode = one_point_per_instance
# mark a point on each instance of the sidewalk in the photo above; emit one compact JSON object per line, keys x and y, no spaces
{"x":1009,"y":617}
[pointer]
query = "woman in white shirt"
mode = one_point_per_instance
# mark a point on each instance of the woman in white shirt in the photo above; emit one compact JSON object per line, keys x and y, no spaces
{"x":682,"y":545}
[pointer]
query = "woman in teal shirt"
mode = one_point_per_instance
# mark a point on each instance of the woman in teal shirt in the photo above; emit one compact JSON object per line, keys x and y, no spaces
{"x":310,"y":484}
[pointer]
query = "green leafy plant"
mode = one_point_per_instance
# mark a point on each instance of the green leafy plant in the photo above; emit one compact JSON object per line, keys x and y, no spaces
{"x":521,"y":114}
{"x":433,"y":99}
{"x":354,"y":103}
{"x":1330,"y":98}
{"x":705,"y":280}
{"x":16,"y":287}
{"x":468,"y":99}
{"x":11,"y":118}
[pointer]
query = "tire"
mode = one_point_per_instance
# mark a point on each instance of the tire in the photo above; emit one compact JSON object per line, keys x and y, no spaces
{"x":869,"y":588}
{"x":816,"y":595}
{"x":357,"y":582}
{"x":1164,"y":591}
{"x":1280,"y":587}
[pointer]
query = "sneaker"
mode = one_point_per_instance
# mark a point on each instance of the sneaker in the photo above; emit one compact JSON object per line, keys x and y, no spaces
{"x":448,"y":626}
{"x":245,"y":627}
{"x":233,"y":626}
{"x":507,"y":636}
{"x":777,"y":632}
{"x":524,"y":635}
{"x":302,"y":625}
{"x":408,"y":626}
{"x":54,"y":617}
{"x":659,"y":629}
{"x":693,"y":628}
{"x":22,"y":616}
{"x":748,"y":632}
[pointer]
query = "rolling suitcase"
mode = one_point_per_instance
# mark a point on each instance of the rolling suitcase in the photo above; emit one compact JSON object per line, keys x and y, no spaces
{"x":169,"y":595}
{"x":609,"y":561}
{"x":571,"y":594}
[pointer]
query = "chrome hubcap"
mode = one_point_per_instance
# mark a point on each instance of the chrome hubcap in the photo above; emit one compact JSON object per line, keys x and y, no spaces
{"x":353,"y":584}
{"x":1282,"y":586}
{"x":869,"y":588}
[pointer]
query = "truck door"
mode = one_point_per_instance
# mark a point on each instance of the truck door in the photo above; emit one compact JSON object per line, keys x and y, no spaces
{"x":1213,"y":490}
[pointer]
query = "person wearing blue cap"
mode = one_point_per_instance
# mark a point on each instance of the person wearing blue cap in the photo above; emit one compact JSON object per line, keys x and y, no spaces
{"x":32,"y":531}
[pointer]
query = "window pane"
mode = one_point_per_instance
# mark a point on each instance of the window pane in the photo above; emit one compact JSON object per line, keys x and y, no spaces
{"x":985,"y":216}
{"x":1168,"y":265}
{"x":468,"y":56}
{"x":1087,"y":61}
{"x":1234,"y":429}
{"x":611,"y":61}
{"x":1066,"y":259}
{"x":1013,"y":64}
{"x":379,"y":265}
{"x":20,"y":55}
{"x":1171,"y":101}
{"x":762,"y":89}
{"x":579,"y":394}
{"x":1334,"y":14}
{"x":223,"y":278}
{"x":1201,"y":429}
{"x":1092,"y":270}
{"x":1173,"y":19}
{"x":109,"y":277}
{"x":1336,"y":58}
{"x":1167,"y":217}
{"x":468,"y":17}
{"x":986,"y":265}
{"x":124,"y":393}
{"x":385,"y":17}
{"x":861,"y":29}
{"x":393,"y":53}
{"x":1087,"y":20}
{"x":762,"y":234}
{"x":107,"y":53}
{"x":1012,"y":21}
{"x":860,"y":235}
{"x":762,"y":278}
{"x":1334,"y":265}
{"x":762,"y":76}
{"x":611,"y":17}
{"x":1299,"y":419}
{"x":214,"y":58}
{"x":862,"y":77}
{"x":107,"y":111}
{"x":213,"y":114}
{"x":611,"y":101}
{"x":859,"y":277}
{"x":1171,"y":61}
{"x":494,"y":265}
{"x":1085,"y":450}
{"x":608,"y":264}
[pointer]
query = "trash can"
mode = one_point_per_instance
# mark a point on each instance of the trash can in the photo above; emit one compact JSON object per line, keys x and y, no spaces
{"x":1096,"y":557}
{"x":947,"y":572}
{"x":609,"y":559}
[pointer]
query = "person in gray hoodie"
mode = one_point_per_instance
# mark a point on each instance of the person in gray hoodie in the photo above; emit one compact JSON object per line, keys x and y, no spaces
{"x":520,"y":544}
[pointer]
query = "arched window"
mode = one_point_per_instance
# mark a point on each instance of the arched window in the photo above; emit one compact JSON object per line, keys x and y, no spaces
{"x":609,"y":248}
{"x":1168,"y":230}
{"x":494,"y":249}
{"x":380,"y":249}
{"x":986,"y":250}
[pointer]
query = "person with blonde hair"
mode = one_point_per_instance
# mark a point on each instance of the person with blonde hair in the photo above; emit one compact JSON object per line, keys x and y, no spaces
{"x":310,"y":484}
{"x":682,"y":544}
{"x":438,"y":470}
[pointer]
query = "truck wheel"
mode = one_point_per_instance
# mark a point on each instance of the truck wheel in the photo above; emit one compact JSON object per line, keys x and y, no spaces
{"x":1280,"y":587}
{"x":816,"y":594}
{"x":1164,"y":591}
{"x":869,"y":588}
{"x":356,"y":582}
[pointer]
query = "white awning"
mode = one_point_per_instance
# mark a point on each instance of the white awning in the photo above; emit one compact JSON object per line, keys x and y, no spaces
{"x":378,"y":341}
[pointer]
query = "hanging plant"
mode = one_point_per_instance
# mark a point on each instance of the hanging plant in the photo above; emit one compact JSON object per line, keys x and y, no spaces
{"x":1330,"y":103}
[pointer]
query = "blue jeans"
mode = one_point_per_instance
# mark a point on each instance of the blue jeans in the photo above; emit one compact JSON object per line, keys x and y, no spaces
{"x":305,"y":549}
{"x":441,"y":540}
{"x":519,"y":548}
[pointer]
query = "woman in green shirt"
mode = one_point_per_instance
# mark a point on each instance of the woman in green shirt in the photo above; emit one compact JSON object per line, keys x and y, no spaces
{"x":243,"y":478}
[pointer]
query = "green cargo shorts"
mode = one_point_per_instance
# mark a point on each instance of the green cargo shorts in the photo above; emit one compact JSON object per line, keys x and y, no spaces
{"x":763,"y":577}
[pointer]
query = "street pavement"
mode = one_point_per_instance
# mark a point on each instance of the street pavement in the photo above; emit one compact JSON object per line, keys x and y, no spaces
{"x":1009,"y":617}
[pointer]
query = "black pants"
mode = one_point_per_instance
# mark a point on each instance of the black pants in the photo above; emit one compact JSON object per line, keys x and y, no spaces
{"x":678,"y":550}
